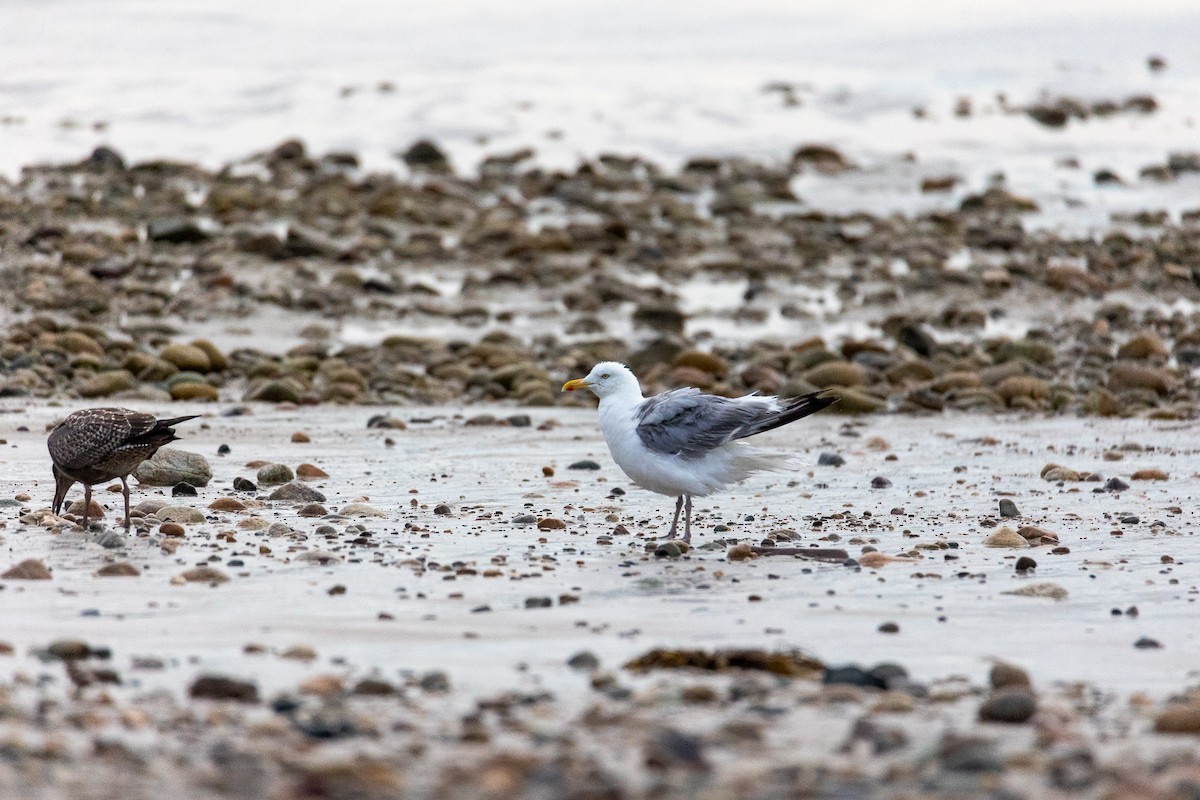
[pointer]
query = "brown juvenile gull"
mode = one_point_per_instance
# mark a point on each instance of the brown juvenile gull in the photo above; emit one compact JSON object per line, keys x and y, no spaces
{"x":98,"y":444}
{"x":684,"y":443}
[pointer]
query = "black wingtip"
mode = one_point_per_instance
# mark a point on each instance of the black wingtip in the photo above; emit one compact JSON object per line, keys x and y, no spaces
{"x":166,"y":423}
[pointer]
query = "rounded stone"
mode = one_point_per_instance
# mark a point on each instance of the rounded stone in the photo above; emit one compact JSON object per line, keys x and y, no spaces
{"x":182,"y":514}
{"x":275,"y":474}
{"x":194,"y":391}
{"x":187,"y":357}
{"x":107,"y":383}
{"x":170,"y":466}
{"x":1012,"y":706}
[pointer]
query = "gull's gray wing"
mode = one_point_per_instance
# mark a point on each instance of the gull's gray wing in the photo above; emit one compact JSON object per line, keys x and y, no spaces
{"x":689,"y":423}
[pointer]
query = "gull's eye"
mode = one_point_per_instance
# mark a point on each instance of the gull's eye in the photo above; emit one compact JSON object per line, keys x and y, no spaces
{"x":604,"y":377}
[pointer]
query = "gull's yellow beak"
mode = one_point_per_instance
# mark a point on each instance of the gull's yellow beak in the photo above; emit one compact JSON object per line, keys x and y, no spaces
{"x":578,"y":383}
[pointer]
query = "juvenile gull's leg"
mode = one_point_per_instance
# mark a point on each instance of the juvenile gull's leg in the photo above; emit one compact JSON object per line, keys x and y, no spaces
{"x":687,"y":525}
{"x":87,"y":503}
{"x":675,"y":521}
{"x":125,"y":491}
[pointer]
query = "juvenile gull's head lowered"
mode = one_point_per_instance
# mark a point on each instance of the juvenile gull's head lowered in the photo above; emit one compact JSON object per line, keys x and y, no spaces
{"x":99,"y":444}
{"x":685,"y":443}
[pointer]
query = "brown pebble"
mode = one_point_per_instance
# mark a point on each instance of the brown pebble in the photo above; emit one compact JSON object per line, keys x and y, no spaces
{"x":1005,"y":537}
{"x":202,"y":575}
{"x":551,"y":524}
{"x":310,"y":472}
{"x":1005,"y":674}
{"x":300,"y":437}
{"x":171,"y":529}
{"x":31,"y":569}
{"x":322,"y":686}
{"x":227,"y":504}
{"x":875,"y":560}
{"x":313,"y":510}
{"x":1178,"y":718}
{"x":216,"y":687}
{"x":548,"y":472}
{"x":740,"y":552}
{"x":1149,"y":475}
{"x":300,"y":652}
{"x":121,"y":569}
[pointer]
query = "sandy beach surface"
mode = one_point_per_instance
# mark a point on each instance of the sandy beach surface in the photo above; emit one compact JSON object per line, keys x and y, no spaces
{"x":441,"y":548}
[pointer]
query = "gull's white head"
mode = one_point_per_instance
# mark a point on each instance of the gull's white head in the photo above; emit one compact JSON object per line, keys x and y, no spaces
{"x":607,"y":378}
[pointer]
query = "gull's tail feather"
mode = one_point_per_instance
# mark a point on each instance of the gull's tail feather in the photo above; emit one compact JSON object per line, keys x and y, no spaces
{"x":792,"y":409}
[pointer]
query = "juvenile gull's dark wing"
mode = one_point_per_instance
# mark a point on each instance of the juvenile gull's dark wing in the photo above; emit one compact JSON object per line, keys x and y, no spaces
{"x":93,"y":434}
{"x":688,"y":423}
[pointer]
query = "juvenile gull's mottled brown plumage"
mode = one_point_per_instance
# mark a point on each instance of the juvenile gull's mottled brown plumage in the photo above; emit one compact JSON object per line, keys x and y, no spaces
{"x":99,"y":444}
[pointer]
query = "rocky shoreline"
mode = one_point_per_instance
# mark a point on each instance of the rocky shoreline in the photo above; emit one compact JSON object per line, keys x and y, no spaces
{"x":293,"y":277}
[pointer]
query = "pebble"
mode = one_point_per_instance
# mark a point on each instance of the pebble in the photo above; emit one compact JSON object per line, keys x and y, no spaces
{"x":275,"y":391}
{"x":119,"y":569}
{"x":209,"y":575}
{"x":216,"y":687}
{"x":1052,"y":591}
{"x":671,"y":549}
{"x":1005,"y":537}
{"x":183,"y":514}
{"x":1025,"y":563}
{"x":551,"y":524}
{"x":183,"y":489}
{"x":296,"y":492}
{"x":584,"y":661}
{"x":853,"y":676}
{"x":310,"y":472}
{"x":1008,"y":508}
{"x":186,"y":357}
{"x":171,"y":466}
{"x":1003,"y":674}
{"x":1146,"y":643}
{"x":1178,"y":718}
{"x":880,"y":482}
{"x":385,"y":422}
{"x":361,"y":510}
{"x":31,"y":569}
{"x":888,"y":627}
{"x":274,"y":474}
{"x":1115,"y":485}
{"x":1012,"y":705}
{"x":584,"y":464}
{"x":171,"y":529}
{"x":1150,"y":475}
{"x":226,"y":504}
{"x":435,"y":682}
{"x":244,"y":485}
{"x":830,"y":460}
{"x":740,"y":552}
{"x":300,"y":437}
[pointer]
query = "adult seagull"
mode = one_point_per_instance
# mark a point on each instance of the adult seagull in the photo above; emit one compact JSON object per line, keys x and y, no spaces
{"x":684,"y":443}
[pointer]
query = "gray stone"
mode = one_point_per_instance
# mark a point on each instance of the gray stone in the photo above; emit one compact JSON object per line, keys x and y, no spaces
{"x":1008,"y":508}
{"x":275,"y":474}
{"x":170,"y":466}
{"x":295,"y":492}
{"x":280,"y":391}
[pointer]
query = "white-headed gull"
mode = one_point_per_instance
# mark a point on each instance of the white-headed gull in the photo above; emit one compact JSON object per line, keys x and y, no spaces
{"x":684,"y":443}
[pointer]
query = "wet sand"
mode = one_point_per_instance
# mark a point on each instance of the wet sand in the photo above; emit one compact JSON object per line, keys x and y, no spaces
{"x":428,"y":593}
